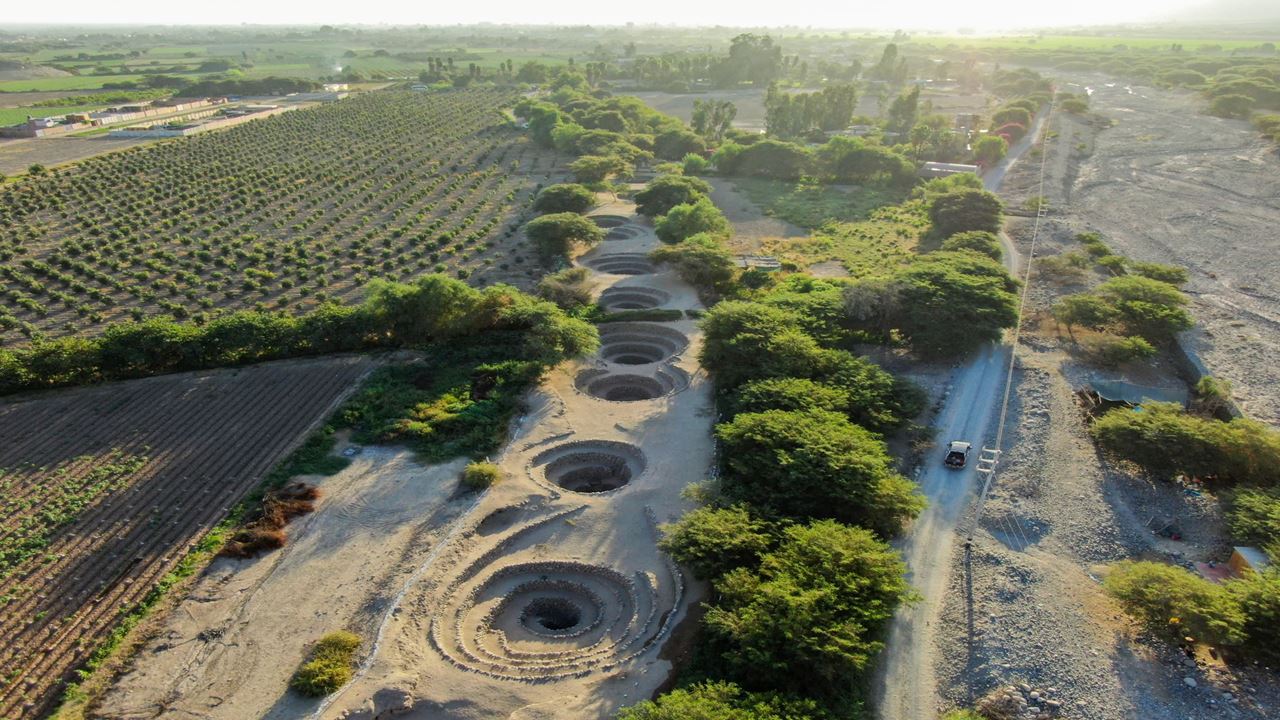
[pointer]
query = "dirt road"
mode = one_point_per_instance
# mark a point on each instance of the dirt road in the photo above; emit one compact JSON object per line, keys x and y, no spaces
{"x":905,"y":686}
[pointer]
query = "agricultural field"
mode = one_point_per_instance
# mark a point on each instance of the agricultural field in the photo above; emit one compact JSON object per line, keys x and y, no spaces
{"x":106,"y":489}
{"x":280,"y":213}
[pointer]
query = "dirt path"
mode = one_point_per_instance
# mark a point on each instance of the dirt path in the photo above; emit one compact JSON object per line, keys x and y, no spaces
{"x":905,"y":688}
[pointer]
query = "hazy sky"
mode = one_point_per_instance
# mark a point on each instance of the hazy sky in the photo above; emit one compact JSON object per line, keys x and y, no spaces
{"x":933,"y":14}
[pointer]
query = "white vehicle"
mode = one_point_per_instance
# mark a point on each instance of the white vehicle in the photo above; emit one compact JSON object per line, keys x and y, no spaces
{"x":957,"y":454}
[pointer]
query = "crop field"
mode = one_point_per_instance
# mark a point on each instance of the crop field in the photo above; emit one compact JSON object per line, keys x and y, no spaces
{"x":106,"y":488}
{"x":278,"y":213}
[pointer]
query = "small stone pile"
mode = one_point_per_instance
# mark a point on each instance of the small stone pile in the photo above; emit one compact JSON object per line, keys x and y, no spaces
{"x":1016,"y":702}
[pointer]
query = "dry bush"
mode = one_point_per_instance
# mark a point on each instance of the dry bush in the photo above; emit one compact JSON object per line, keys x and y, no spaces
{"x":1001,"y":704}
{"x":267,"y":531}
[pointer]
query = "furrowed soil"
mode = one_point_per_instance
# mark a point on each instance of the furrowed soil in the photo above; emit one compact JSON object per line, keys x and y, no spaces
{"x":180,"y":451}
{"x":1025,"y":607}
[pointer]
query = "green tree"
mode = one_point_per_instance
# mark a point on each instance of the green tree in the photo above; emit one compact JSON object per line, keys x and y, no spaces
{"x":557,"y":233}
{"x":1083,"y":310}
{"x":815,"y":465}
{"x":977,"y":241}
{"x":989,"y":150}
{"x":689,"y":219}
{"x":565,"y":197}
{"x":1171,"y":274}
{"x":663,"y":193}
{"x":700,"y":261}
{"x":902,"y":113}
{"x":1146,"y":307}
{"x":767,"y":158}
{"x":712,"y":541}
{"x":966,"y":210}
{"x":952,"y":302}
{"x":723,"y":701}
{"x":1160,"y":594}
{"x":789,"y":394}
{"x":1254,"y":518}
{"x":597,"y":168}
{"x":811,"y":617}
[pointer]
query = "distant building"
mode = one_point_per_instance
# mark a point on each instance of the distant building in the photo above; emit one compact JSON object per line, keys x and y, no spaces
{"x":336,"y":87}
{"x":940,"y":170}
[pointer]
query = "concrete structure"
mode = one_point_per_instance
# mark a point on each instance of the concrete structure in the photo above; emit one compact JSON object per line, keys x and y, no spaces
{"x":229,"y":117}
{"x":1248,"y":559}
{"x":940,"y":170}
{"x":768,"y":263}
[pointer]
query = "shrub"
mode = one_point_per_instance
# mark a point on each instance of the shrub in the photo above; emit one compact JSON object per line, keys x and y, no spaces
{"x":815,"y":464}
{"x":952,"y":302}
{"x":713,"y":541}
{"x":565,"y":197}
{"x":665,"y":192}
{"x":790,"y":394}
{"x":597,"y":168}
{"x":1162,"y":595}
{"x":1164,"y":441}
{"x":1110,"y":351}
{"x":810,"y":617}
{"x":977,"y":241}
{"x":1147,"y":307}
{"x":480,"y":475}
{"x":557,"y":233}
{"x":766,"y":158}
{"x":1083,"y":310}
{"x":693,"y":164}
{"x":1253,"y":516}
{"x":966,"y":210}
{"x":1171,"y":274}
{"x":328,"y":666}
{"x":723,"y":701}
{"x":701,"y":261}
{"x":689,"y":219}
{"x":569,"y":289}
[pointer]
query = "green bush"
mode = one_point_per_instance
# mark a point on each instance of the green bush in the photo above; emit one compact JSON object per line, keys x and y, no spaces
{"x":1110,"y":351}
{"x":723,"y":701}
{"x":665,"y":192}
{"x":952,"y":302}
{"x":689,"y":219}
{"x":480,"y":475}
{"x":1164,"y":441}
{"x":557,"y":233}
{"x":815,"y":464}
{"x":569,"y":289}
{"x":1171,"y":274}
{"x":565,"y":197}
{"x":713,"y":541}
{"x":701,"y":261}
{"x":1163,"y":595}
{"x":966,"y":210}
{"x":1253,"y":516}
{"x":811,"y":617}
{"x":693,"y":164}
{"x":328,"y":666}
{"x":977,"y":241}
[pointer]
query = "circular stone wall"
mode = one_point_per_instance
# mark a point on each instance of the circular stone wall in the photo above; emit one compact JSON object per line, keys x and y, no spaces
{"x":590,"y":466}
{"x":639,"y":343}
{"x":609,"y":221}
{"x":622,"y":387}
{"x":623,"y":264}
{"x":632,"y":298}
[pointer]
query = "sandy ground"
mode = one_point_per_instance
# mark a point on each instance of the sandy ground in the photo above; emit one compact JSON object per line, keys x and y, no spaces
{"x":228,"y":650}
{"x":532,"y":600}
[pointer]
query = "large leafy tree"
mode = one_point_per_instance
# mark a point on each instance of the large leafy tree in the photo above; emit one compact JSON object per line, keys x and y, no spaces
{"x":556,"y":233}
{"x":689,"y":219}
{"x":712,"y":541}
{"x":815,"y":464}
{"x":951,"y":302}
{"x":701,"y":261}
{"x":810,"y":617}
{"x":965,"y":210}
{"x":565,"y":197}
{"x":723,"y":701}
{"x":665,"y":192}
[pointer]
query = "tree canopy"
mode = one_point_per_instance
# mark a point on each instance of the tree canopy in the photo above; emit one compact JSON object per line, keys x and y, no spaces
{"x":689,"y":219}
{"x":667,"y":191}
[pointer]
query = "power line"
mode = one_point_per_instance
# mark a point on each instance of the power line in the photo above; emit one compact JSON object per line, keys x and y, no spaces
{"x":991,"y":456}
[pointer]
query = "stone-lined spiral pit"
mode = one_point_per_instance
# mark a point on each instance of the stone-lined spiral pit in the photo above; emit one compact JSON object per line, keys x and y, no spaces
{"x":546,"y":620}
{"x":590,"y":466}
{"x":639,"y":343}
{"x":625,"y":232}
{"x":610,"y":221}
{"x":623,"y":264}
{"x":632,"y":298}
{"x":630,"y":388}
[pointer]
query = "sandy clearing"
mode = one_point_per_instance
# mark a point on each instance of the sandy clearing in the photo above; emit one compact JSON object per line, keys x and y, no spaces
{"x":751,"y":228}
{"x":228,"y":650}
{"x":18,"y":154}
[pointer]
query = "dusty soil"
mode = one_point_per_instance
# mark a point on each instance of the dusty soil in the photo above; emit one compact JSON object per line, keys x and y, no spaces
{"x":751,"y":228}
{"x":543,"y":597}
{"x":16,"y":155}
{"x":1026,"y":606}
{"x":1170,"y":184}
{"x":750,"y":104}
